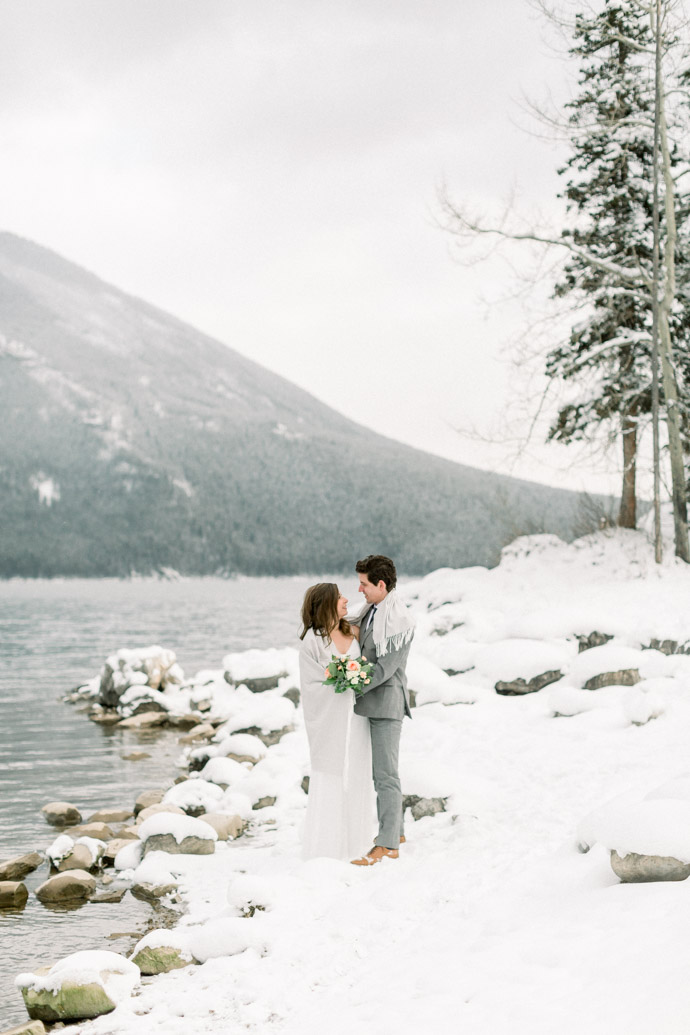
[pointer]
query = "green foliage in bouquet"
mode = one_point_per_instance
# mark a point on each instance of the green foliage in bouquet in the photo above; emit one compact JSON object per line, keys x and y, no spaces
{"x":346,"y":673}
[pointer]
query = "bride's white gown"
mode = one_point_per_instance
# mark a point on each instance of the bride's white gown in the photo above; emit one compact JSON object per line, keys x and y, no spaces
{"x":340,"y":820}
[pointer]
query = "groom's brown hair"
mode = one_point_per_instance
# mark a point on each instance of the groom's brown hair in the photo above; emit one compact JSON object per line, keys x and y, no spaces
{"x":378,"y":568}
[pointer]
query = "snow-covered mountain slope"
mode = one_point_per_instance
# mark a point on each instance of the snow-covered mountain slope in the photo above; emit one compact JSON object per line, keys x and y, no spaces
{"x":132,"y":441}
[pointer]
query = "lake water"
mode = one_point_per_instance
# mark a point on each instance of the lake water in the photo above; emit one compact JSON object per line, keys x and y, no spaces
{"x":55,"y":635}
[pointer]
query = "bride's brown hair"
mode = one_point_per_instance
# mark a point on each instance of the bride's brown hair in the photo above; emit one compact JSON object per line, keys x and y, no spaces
{"x":320,"y":611}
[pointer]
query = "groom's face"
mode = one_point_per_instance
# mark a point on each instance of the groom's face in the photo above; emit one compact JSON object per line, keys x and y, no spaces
{"x":373,"y":592}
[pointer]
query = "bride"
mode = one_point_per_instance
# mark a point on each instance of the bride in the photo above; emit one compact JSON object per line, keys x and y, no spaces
{"x":340,"y":810}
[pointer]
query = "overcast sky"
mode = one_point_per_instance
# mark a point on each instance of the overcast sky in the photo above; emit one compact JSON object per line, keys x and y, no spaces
{"x":268,"y":171}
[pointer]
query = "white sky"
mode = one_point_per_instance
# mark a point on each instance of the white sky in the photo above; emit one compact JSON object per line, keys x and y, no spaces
{"x":267,"y":170}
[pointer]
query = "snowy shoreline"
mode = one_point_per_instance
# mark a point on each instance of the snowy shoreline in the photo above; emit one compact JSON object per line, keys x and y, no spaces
{"x":492,"y":903}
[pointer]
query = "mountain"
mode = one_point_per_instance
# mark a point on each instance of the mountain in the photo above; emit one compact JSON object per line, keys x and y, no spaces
{"x":132,"y":442}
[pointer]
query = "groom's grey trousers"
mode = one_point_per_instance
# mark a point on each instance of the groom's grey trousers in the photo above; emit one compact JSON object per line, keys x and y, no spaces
{"x":385,"y":741}
{"x":385,"y":703}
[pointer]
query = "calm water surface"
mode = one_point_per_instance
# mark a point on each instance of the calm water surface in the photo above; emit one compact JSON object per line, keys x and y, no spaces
{"x":55,"y":635}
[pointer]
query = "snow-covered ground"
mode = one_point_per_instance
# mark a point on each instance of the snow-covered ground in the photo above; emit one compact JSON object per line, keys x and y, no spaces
{"x":493,"y":920}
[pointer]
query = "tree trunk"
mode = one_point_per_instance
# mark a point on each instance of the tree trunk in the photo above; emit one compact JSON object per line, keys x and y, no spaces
{"x":627,"y":515}
{"x":668,"y":375}
{"x":675,"y":448}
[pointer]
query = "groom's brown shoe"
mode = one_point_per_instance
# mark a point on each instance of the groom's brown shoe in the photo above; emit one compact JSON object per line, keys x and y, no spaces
{"x":403,"y":839}
{"x":377,"y":853}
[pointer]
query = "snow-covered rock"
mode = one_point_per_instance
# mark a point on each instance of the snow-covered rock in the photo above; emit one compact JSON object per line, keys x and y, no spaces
{"x":194,"y":796}
{"x":163,"y":950}
{"x":223,"y":771}
{"x":155,"y":667}
{"x":80,"y":986}
{"x":260,"y":669}
{"x":181,"y":835}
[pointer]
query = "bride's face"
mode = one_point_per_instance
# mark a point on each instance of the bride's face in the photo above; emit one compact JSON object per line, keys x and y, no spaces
{"x":342,"y":606}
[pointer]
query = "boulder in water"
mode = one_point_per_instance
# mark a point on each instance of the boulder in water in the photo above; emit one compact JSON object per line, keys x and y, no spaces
{"x":71,"y":886}
{"x":13,"y":894}
{"x":21,"y":865}
{"x":61,"y":813}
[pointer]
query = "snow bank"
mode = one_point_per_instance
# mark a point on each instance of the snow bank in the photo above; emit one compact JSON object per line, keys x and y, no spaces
{"x":490,"y":902}
{"x":227,"y":937}
{"x":654,"y":827}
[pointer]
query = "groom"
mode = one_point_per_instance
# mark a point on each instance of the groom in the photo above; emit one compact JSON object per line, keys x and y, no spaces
{"x":386,"y":632}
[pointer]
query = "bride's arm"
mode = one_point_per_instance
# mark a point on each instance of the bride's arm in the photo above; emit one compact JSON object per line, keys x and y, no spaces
{"x":355,"y":631}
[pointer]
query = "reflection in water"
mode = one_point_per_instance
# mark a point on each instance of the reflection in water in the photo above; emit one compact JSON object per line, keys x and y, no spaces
{"x":54,"y":636}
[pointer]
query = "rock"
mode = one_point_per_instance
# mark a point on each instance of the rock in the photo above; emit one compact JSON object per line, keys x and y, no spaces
{"x":153,"y":810}
{"x":79,"y":987}
{"x":114,"y":895}
{"x":203,"y":730}
{"x":184,"y":722}
{"x":106,"y":717}
{"x":101,"y":831}
{"x":61,"y":813}
{"x":305,"y":784}
{"x":624,"y":677}
{"x":151,"y":892}
{"x":517,"y":687}
{"x":114,"y":846}
{"x":264,"y":803}
{"x":257,"y":686}
{"x":160,"y":959}
{"x":227,"y":827}
{"x":270,"y":738}
{"x":19,"y":866}
{"x":668,"y":647}
{"x":79,"y":858}
{"x":633,"y":868}
{"x":135,"y":756}
{"x":129,"y":833}
{"x":594,"y":639}
{"x":13,"y":894}
{"x":144,"y":720}
{"x":422,"y":807}
{"x":195,"y":797}
{"x":190,"y":845}
{"x":162,"y":950}
{"x":28,"y":1028}
{"x":110,"y":816}
{"x":293,"y":695}
{"x":145,"y":704}
{"x":147,"y":798}
{"x":70,"y":886}
{"x":154,"y":667}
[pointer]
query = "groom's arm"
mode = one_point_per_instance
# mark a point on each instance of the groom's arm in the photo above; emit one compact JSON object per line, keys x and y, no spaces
{"x":386,"y":667}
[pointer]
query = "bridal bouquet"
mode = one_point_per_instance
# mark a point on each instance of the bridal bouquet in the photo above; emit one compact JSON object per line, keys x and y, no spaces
{"x":346,"y":673}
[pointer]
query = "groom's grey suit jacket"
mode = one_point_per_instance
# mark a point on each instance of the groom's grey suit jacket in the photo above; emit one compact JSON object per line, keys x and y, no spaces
{"x":386,"y":696}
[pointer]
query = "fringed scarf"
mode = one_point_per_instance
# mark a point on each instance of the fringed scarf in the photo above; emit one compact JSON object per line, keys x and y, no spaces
{"x":393,"y":624}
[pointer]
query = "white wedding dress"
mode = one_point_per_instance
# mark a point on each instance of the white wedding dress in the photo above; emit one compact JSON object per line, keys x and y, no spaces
{"x":341,"y":812}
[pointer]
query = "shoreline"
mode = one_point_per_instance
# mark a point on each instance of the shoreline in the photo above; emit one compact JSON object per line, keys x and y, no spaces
{"x":573,"y":662}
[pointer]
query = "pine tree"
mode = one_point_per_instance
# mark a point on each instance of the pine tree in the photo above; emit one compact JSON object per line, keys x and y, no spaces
{"x":609,"y":196}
